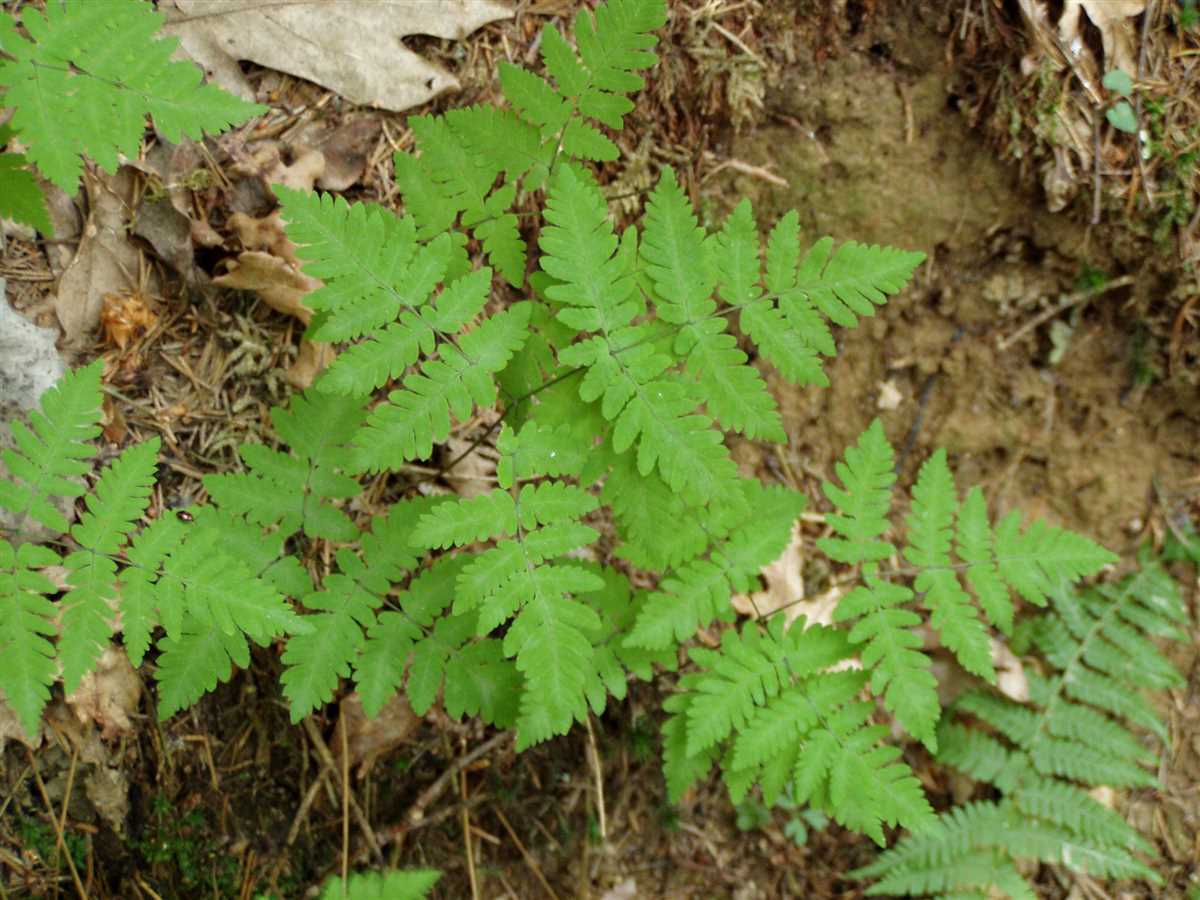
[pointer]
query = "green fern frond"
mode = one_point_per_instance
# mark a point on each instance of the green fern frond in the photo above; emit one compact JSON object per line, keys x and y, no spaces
{"x":657,"y":528}
{"x":518,"y":579}
{"x":900,"y":671}
{"x":345,"y":608}
{"x":412,"y":884}
{"x":699,"y":591}
{"x":27,"y":667}
{"x":1043,"y":755}
{"x":790,"y":720}
{"x":419,"y":415}
{"x":88,"y":76}
{"x":118,"y":500}
{"x":930,"y":524}
{"x":863,"y":502}
{"x":20,"y":196}
{"x":647,"y":406}
{"x":50,"y":453}
{"x":852,"y":280}
{"x":293,"y":491}
{"x":684,"y":269}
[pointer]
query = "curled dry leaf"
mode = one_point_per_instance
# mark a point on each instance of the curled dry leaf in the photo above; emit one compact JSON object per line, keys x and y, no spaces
{"x":124,"y":317}
{"x":369,"y":739}
{"x":344,"y":148}
{"x":311,"y":360}
{"x":108,"y":695}
{"x":106,"y":262}
{"x":353,"y":47}
{"x":280,"y":286}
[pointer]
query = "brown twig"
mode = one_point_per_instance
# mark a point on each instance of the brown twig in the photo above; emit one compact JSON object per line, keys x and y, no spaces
{"x":1067,"y":302}
{"x":466,"y":828}
{"x":526,"y":855}
{"x":416,"y":812}
{"x":58,"y":829}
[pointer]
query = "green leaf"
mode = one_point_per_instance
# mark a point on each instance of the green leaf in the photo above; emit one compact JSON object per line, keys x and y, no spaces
{"x":21,"y":198}
{"x":1121,"y":117}
{"x":88,"y":77}
{"x":49,"y":456}
{"x":413,"y":884}
{"x":863,"y":501}
{"x":1118,"y":80}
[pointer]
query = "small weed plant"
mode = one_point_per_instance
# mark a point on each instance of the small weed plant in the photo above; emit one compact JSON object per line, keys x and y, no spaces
{"x":613,"y":364}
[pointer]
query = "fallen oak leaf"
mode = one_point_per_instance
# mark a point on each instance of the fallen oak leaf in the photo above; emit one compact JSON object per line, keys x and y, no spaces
{"x":314,"y":39}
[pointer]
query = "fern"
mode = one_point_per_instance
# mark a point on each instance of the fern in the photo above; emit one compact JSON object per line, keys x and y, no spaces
{"x":610,"y":387}
{"x":87,"y":76}
{"x":1043,"y":756}
{"x":413,"y":884}
{"x":786,"y":720}
{"x":1027,"y":561}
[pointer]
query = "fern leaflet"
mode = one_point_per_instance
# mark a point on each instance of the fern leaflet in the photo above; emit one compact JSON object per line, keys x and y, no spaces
{"x":89,"y":75}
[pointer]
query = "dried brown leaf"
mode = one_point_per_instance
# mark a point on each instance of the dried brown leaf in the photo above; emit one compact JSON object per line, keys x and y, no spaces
{"x":353,"y":47}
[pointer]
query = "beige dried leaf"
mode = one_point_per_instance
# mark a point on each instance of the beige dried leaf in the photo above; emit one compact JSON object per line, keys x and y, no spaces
{"x":314,"y":357}
{"x":108,"y":695}
{"x":353,"y":47}
{"x":785,"y":585}
{"x":107,"y":262}
{"x":369,"y":739}
{"x":279,"y":285}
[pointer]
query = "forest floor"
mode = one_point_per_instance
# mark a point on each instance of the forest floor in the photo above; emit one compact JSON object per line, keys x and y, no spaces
{"x":1054,"y":358}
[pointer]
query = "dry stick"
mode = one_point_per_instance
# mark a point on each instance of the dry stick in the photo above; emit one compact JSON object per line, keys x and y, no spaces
{"x":1096,"y":168}
{"x":328,"y":766}
{"x":416,"y":812}
{"x":466,"y":827}
{"x":529,"y":860}
{"x":598,"y":777}
{"x":1070,"y":300}
{"x":346,"y":809}
{"x":62,"y":820}
{"x":1147,"y":13}
{"x":58,"y":831}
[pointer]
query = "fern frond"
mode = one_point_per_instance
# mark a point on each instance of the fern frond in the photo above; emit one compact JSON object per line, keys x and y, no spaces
{"x":930,"y":524}
{"x":292,"y":491}
{"x":49,"y":453}
{"x":612,"y":47}
{"x":657,"y":527}
{"x":208,"y":600}
{"x":863,"y":502}
{"x":27,"y":667}
{"x":892,"y":651}
{"x":683,"y":267}
{"x":788,"y":718}
{"x":550,"y":634}
{"x":700,"y":591}
{"x":1044,"y":754}
{"x":852,"y":280}
{"x":412,"y":884}
{"x":417,"y":417}
{"x":118,"y":500}
{"x":20,"y":196}
{"x":88,"y":76}
{"x":194,"y":660}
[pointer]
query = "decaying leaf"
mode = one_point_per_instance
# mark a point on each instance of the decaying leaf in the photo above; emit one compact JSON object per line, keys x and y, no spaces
{"x":106,"y":262}
{"x":353,"y":47}
{"x":108,"y":695}
{"x":785,"y":586}
{"x":368,"y":739}
{"x":124,"y":317}
{"x":108,"y":790}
